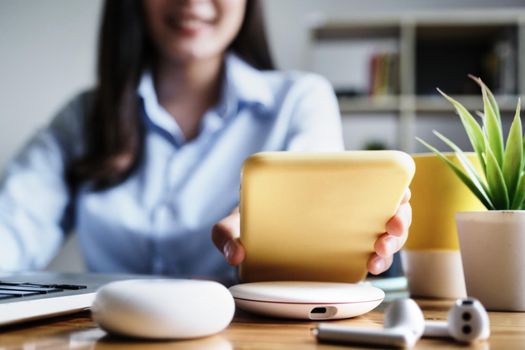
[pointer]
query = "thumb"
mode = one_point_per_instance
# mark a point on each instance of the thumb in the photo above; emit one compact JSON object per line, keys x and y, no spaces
{"x":225,"y":235}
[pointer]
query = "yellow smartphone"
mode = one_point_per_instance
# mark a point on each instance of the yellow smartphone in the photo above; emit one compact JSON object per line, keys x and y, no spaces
{"x":316,"y":216}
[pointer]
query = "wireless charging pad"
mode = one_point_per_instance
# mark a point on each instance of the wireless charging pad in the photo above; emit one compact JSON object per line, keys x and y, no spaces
{"x":307,"y":300}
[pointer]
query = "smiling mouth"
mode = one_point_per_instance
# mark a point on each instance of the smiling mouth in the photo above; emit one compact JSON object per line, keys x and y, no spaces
{"x":187,"y":24}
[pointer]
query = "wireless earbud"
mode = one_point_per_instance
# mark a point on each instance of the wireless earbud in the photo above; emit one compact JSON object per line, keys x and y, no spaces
{"x":467,"y":321}
{"x":403,"y":326}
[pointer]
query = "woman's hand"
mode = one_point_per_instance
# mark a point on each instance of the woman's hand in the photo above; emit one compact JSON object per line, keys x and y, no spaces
{"x":225,"y":235}
{"x":393,"y":239}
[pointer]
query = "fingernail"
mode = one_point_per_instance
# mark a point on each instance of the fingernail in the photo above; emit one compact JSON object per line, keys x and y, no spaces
{"x":228,"y":250}
{"x":379,"y":264}
{"x":390,"y":245}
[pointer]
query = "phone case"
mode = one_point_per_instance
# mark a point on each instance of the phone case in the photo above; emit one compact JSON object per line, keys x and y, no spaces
{"x":316,"y":216}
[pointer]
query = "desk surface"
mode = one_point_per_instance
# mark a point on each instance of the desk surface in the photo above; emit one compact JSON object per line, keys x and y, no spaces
{"x":245,"y":332}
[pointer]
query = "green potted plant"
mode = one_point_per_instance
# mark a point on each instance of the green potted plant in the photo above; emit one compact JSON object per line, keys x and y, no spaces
{"x":492,"y":242}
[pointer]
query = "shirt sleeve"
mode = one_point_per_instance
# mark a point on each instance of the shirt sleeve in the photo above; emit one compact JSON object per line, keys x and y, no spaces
{"x":316,"y":122}
{"x":34,"y":196}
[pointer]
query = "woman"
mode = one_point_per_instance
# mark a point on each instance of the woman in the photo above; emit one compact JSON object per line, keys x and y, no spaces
{"x":143,"y":166}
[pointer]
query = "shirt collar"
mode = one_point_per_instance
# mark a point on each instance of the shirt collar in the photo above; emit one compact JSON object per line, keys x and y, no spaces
{"x":155,"y":113}
{"x":245,"y":83}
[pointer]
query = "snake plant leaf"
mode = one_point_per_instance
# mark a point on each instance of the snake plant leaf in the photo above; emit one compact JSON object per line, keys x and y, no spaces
{"x":462,"y":176}
{"x":513,"y":159}
{"x":519,"y":196}
{"x":496,"y":182}
{"x":491,"y":97}
{"x":492,"y":124}
{"x":467,"y":166}
{"x":474,"y":131}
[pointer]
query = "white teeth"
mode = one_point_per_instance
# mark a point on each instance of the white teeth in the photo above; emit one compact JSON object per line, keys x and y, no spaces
{"x":191,"y":23}
{"x":194,"y":16}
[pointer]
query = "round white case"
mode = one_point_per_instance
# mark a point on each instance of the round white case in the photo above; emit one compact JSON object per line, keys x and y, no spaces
{"x":307,"y":300}
{"x":163,"y":309}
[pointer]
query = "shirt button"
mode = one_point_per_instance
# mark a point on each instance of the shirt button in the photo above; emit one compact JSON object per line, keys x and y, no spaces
{"x":162,"y":213}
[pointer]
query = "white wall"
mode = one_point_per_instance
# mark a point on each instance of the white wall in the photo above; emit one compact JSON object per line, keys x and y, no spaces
{"x":47,"y":54}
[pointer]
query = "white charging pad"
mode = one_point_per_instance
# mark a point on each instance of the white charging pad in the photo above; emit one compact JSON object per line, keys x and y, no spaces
{"x":307,"y":300}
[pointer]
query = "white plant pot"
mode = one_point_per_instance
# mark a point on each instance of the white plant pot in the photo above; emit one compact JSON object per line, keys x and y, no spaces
{"x":493,"y":254}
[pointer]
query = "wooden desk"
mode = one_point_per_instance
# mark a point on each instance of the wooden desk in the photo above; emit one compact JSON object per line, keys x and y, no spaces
{"x":246,"y":332}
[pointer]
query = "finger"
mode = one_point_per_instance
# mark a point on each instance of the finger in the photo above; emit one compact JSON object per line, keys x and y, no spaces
{"x":234,"y":252}
{"x":386,"y":245}
{"x":399,"y":223}
{"x":225,"y":236}
{"x":225,"y":230}
{"x":377,"y":264}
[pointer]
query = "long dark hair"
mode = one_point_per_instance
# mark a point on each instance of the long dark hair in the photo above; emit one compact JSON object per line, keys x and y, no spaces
{"x":113,"y":130}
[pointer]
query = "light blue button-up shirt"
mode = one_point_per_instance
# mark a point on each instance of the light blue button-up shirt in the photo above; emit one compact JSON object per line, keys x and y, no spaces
{"x":159,"y":220}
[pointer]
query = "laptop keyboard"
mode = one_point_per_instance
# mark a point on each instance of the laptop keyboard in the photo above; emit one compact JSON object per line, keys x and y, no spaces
{"x":16,"y":290}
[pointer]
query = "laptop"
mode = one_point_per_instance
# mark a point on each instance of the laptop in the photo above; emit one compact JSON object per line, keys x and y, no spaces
{"x":27,"y":296}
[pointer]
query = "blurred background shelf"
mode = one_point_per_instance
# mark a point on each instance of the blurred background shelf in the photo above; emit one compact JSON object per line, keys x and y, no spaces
{"x":473,"y":103}
{"x":421,"y":104}
{"x":389,"y":67}
{"x":366,"y":104}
